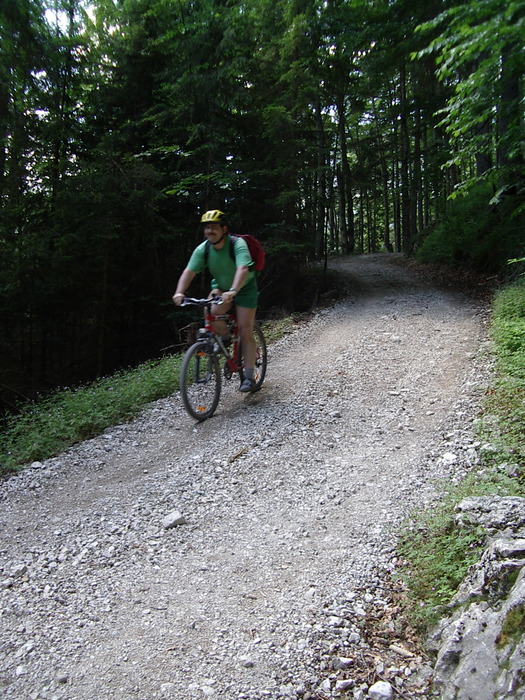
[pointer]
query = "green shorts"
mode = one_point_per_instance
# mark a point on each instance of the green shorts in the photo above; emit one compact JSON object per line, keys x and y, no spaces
{"x":248,"y":295}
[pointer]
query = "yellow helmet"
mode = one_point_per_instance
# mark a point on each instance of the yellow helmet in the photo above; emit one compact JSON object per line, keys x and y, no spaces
{"x":213,"y":216}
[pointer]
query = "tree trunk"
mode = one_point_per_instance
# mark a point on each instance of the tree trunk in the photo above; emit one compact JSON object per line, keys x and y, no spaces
{"x":406,"y":232}
{"x":509,"y":121}
{"x":321,"y":182}
{"x":347,"y":224}
{"x":417,"y":185}
{"x":341,"y":200}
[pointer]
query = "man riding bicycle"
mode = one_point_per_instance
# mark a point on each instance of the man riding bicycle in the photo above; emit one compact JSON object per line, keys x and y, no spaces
{"x":232,"y":279}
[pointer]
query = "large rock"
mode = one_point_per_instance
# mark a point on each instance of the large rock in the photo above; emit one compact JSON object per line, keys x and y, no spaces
{"x":381,"y":691}
{"x":494,"y":513}
{"x":481,"y":645}
{"x":492,"y":578}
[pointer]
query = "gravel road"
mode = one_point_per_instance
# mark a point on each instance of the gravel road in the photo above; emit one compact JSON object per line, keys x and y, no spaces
{"x":278,"y":583}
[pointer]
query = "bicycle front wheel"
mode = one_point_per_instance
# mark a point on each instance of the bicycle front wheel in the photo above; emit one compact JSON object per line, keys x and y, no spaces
{"x":261,"y":357}
{"x":200,"y":382}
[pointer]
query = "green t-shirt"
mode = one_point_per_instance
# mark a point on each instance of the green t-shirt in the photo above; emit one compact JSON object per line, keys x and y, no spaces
{"x":220,"y":263}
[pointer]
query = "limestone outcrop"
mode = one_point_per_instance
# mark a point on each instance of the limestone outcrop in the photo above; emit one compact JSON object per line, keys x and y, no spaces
{"x":480,"y":644}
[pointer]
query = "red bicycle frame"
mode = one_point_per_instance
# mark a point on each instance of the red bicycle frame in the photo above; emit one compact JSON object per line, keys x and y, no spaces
{"x":233,"y":360}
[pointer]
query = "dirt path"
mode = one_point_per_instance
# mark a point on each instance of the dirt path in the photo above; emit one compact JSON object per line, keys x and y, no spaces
{"x":291,"y":498}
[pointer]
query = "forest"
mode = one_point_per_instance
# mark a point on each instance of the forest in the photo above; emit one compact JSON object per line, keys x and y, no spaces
{"x":322,"y":127}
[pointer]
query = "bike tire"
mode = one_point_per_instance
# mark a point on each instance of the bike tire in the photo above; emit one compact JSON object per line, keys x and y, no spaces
{"x":200,"y":382}
{"x":261,"y":357}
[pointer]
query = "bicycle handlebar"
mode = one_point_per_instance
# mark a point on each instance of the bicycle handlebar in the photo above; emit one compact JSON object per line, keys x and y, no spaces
{"x":190,"y":301}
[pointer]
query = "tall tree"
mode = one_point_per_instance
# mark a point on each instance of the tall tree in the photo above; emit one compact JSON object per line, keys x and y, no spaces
{"x":480,"y":51}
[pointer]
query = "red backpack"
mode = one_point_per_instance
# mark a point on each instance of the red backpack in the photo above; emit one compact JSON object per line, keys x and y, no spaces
{"x":254,"y":246}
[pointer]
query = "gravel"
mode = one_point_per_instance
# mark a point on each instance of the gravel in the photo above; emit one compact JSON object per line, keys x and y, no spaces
{"x":250,"y":556}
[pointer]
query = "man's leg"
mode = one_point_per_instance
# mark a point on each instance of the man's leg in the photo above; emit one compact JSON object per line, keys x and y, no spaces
{"x":220,"y":326}
{"x":245,"y":321}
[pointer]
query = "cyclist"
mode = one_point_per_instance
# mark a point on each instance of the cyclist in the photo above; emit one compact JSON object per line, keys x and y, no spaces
{"x":232,"y":279}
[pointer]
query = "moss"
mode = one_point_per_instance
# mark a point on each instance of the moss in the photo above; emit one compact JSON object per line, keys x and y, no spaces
{"x":513,"y":627}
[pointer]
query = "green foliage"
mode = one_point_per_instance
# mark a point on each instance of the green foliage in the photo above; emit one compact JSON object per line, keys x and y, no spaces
{"x":54,"y":423}
{"x":482,"y":42}
{"x":507,"y":398}
{"x":474,"y":234}
{"x":437,"y":556}
{"x":451,"y":238}
{"x":513,"y":626}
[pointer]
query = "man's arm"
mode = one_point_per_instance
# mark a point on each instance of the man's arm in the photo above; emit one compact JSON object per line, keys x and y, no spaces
{"x":238,"y":280}
{"x":184,"y":282}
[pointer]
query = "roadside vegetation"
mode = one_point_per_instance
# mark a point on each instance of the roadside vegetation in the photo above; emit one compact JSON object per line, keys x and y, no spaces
{"x":474,"y":236}
{"x":48,"y":426}
{"x":436,"y":554}
{"x":45,"y":427}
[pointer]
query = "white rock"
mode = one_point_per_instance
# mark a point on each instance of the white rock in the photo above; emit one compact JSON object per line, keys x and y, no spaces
{"x":167,"y":688}
{"x":173,"y":519}
{"x":342,"y":662}
{"x":381,"y":691}
{"x":326,"y":686}
{"x":247,"y":662}
{"x":344,"y":686}
{"x":19,"y":570}
{"x":335,"y":621}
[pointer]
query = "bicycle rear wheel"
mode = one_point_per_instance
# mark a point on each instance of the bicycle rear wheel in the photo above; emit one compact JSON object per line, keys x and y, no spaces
{"x":200,"y":382}
{"x":261,"y":357}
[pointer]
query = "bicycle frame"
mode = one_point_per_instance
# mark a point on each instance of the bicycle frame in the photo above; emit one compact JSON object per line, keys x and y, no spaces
{"x":233,"y":360}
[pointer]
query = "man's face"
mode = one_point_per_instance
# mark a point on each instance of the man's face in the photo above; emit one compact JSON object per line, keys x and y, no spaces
{"x":214,"y":232}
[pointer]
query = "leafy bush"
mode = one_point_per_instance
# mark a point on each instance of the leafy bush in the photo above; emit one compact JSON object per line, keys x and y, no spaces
{"x":438,"y":557}
{"x":475,"y":232}
{"x":452,"y":237}
{"x":437,"y":554}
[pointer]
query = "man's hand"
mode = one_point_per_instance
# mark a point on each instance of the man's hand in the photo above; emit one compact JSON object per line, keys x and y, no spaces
{"x":229,"y":296}
{"x":178,"y":298}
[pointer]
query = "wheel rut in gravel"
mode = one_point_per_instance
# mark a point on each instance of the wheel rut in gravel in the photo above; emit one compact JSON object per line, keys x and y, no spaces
{"x":292,"y":497}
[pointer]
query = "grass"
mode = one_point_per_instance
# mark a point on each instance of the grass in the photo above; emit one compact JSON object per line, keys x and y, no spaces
{"x":506,"y":399}
{"x":46,"y":427}
{"x":436,"y":553}
{"x":504,"y":421}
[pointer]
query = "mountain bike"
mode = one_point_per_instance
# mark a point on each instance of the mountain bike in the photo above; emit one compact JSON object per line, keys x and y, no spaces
{"x":201,"y":376}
